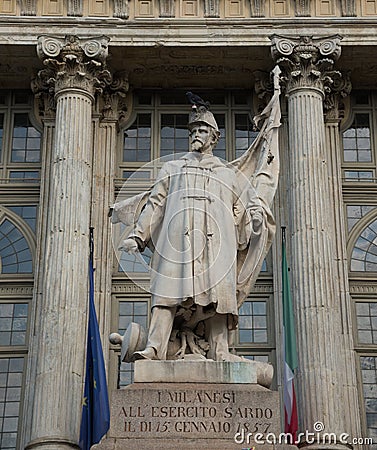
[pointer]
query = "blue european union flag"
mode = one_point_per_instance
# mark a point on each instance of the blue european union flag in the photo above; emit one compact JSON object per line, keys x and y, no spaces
{"x":95,"y":420}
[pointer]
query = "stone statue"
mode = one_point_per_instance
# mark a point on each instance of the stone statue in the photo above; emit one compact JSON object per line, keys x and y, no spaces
{"x":209,"y":225}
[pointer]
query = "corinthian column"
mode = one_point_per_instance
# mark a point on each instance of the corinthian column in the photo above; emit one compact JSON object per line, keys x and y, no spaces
{"x":308,"y":74}
{"x":334,"y":109}
{"x":74,"y":72}
{"x":113,"y":107}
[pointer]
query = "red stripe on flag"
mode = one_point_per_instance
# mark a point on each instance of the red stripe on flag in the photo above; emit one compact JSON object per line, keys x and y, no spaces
{"x":291,"y":423}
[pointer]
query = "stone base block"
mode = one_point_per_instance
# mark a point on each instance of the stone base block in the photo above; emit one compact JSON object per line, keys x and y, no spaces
{"x":191,"y":416}
{"x":191,"y":371}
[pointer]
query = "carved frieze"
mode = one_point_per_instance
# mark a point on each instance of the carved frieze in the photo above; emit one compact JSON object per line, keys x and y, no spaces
{"x":258,"y":8}
{"x":188,"y":70}
{"x":121,"y":9}
{"x":74,"y":8}
{"x":28,"y":7}
{"x":307,"y":62}
{"x":167,"y":8}
{"x":348,"y":8}
{"x":302,"y":8}
{"x":211,"y":8}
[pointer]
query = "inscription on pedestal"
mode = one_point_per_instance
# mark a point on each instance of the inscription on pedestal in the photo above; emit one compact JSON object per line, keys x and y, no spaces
{"x":193,"y":411}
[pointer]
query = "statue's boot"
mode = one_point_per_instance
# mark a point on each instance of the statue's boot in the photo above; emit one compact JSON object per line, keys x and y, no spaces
{"x":148,"y":353}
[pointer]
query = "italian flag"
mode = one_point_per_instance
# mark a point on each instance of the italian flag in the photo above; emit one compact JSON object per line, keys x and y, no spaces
{"x":289,"y":351}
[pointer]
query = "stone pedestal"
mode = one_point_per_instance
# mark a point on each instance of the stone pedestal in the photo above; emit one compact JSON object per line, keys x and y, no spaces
{"x":196,"y":413}
{"x":202,"y":371}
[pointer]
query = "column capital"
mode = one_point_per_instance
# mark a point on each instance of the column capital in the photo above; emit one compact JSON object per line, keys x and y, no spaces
{"x":306,"y":62}
{"x":73,"y":63}
{"x":333,"y":104}
{"x":263,"y":88}
{"x":115,"y":99}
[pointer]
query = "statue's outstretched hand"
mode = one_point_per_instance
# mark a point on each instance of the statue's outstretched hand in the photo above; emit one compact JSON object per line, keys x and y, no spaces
{"x":129,"y":246}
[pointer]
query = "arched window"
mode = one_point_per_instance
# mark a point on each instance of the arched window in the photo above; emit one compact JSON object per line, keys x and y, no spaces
{"x":15,"y":253}
{"x":364,"y":253}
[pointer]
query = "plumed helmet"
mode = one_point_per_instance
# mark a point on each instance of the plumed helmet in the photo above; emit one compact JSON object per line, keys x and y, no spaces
{"x":203,"y":115}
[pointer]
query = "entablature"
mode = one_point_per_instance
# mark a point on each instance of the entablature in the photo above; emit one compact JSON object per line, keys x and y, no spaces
{"x":133,"y":9}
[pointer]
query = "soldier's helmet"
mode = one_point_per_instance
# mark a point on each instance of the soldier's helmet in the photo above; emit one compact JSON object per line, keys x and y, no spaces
{"x":200,"y":114}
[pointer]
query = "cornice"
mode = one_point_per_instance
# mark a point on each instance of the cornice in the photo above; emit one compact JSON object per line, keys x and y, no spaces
{"x":199,"y":32}
{"x":142,"y":287}
{"x":9,"y":291}
{"x":363,"y":287}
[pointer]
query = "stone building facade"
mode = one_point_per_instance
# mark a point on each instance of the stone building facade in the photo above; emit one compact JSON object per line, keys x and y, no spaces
{"x":91,"y":96}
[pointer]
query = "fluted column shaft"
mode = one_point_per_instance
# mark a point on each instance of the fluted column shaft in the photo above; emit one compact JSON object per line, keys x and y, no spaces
{"x":60,"y":331}
{"x":112,"y":107}
{"x":65,"y":279}
{"x":103,"y":197}
{"x":318,"y":324}
{"x":349,"y":385}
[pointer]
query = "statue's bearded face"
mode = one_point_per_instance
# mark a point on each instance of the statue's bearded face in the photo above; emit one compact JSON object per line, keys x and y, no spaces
{"x":201,"y":138}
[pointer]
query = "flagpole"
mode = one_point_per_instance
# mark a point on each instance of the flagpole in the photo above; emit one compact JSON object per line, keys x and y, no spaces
{"x":95,"y":419}
{"x":91,"y":244}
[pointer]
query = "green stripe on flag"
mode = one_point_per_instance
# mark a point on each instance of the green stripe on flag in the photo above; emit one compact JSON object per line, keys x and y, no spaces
{"x":288,"y":317}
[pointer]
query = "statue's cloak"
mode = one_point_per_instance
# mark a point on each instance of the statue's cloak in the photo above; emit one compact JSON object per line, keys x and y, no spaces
{"x":226,"y":197}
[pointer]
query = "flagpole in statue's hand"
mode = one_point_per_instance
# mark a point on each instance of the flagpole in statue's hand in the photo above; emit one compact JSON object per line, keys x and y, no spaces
{"x":276,"y":74}
{"x":130,"y":246}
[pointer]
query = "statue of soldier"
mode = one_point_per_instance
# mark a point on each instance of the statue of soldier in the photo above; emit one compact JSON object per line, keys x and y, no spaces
{"x":209,"y":225}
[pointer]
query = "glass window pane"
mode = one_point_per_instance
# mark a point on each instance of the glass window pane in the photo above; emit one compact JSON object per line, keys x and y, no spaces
{"x":174,"y":134}
{"x":137,"y":139}
{"x":357,"y":140}
{"x":25,"y":137}
{"x":365,"y":249}
{"x":10,"y":237}
{"x":369,"y":379}
{"x":24,"y":176}
{"x":132,"y":311}
{"x":253,"y":322}
{"x":11,"y":371}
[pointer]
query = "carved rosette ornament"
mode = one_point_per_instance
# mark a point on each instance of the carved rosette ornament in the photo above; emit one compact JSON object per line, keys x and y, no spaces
{"x":307,"y":62}
{"x":73,"y":63}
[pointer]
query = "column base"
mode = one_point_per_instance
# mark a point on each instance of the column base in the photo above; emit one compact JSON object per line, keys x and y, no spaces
{"x":52,"y":443}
